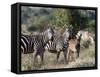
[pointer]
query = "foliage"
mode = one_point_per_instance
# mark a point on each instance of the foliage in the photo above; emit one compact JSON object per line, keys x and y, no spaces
{"x":37,"y":17}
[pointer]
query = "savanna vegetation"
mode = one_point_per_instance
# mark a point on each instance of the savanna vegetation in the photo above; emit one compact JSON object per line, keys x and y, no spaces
{"x":37,"y":18}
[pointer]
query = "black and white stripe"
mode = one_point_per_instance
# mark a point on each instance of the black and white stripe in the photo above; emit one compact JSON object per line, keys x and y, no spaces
{"x":36,"y":43}
{"x":58,"y":44}
{"x":26,"y":44}
{"x":40,"y":42}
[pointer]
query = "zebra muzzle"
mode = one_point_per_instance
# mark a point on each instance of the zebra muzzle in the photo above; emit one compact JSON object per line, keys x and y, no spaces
{"x":52,"y":38}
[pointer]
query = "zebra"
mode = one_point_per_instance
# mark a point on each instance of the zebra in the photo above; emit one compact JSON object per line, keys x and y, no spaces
{"x":60,"y":43}
{"x":26,"y":44}
{"x":36,"y":43}
{"x":40,"y":42}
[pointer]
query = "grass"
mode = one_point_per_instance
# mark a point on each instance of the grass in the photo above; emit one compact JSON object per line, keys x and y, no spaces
{"x":86,"y":59}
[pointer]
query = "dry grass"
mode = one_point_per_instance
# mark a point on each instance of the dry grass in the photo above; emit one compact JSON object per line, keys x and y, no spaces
{"x":86,"y":59}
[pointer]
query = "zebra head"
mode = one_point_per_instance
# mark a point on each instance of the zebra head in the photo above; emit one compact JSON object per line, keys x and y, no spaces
{"x":67,"y":34}
{"x":50,"y":34}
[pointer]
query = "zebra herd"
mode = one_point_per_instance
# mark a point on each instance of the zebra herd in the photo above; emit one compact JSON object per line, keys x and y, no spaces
{"x":50,"y":40}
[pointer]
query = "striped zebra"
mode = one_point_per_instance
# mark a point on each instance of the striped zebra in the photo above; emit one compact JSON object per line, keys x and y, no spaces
{"x":36,"y":43}
{"x":40,"y":42}
{"x":60,"y":43}
{"x":26,"y":44}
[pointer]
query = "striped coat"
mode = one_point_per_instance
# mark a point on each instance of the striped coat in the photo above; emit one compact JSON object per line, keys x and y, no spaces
{"x":36,"y":43}
{"x":59,"y":44}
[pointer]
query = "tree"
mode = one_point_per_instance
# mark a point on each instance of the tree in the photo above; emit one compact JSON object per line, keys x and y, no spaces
{"x":60,"y":17}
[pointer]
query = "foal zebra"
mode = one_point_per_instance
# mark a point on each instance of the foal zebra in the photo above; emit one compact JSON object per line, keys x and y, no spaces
{"x":60,"y":43}
{"x":36,"y":43}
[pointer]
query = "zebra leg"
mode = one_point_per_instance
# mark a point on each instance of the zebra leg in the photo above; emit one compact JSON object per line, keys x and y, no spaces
{"x":65,"y":53}
{"x":42,"y":56}
{"x":75,"y":56}
{"x":35,"y":57}
{"x":58,"y":53}
{"x":78,"y":52}
{"x":68,"y":55}
{"x":72,"y":56}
